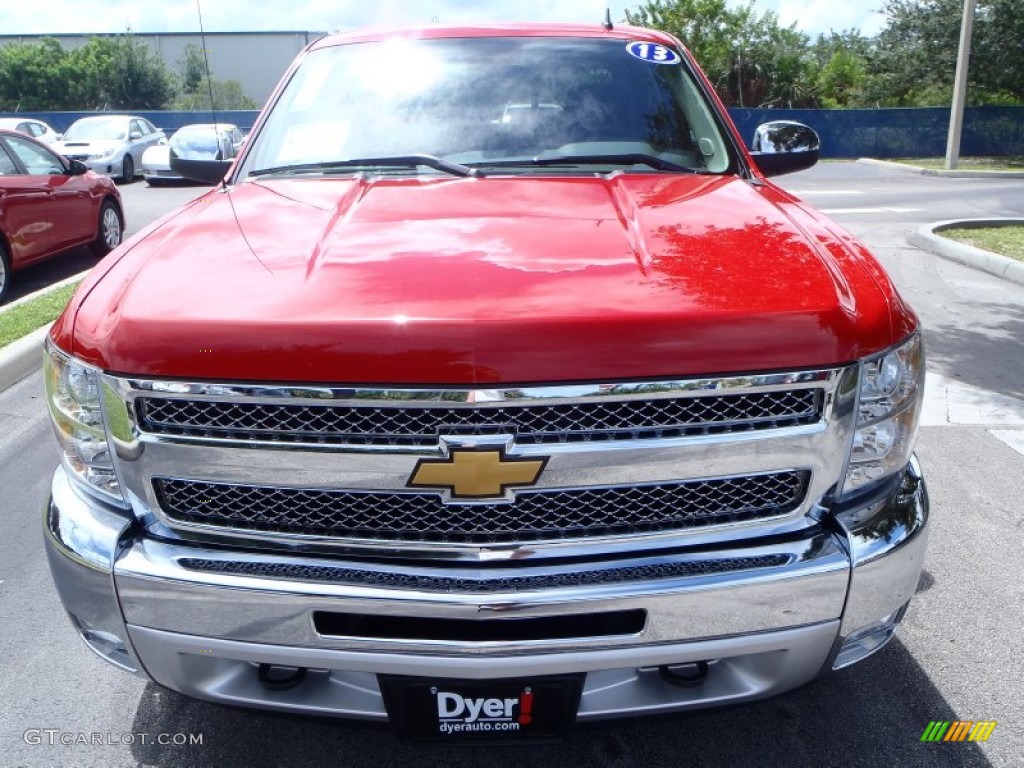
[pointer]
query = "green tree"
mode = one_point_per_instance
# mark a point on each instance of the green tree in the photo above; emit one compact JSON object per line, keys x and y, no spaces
{"x":776,"y":69}
{"x":914,"y":60}
{"x":999,"y":52}
{"x":34,"y":76}
{"x":227,"y":94}
{"x":709,"y":28}
{"x":841,"y":82}
{"x":841,"y":63}
{"x":136,"y":78}
{"x":749,"y":58}
{"x":106,"y":73}
{"x":191,"y":68}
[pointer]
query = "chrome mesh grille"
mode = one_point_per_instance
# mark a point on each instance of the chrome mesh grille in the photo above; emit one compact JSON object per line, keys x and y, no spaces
{"x":415,"y":424}
{"x":440,"y":583}
{"x":535,"y":514}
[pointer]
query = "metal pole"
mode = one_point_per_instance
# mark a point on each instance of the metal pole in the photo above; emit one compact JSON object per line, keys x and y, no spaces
{"x":956,"y":112}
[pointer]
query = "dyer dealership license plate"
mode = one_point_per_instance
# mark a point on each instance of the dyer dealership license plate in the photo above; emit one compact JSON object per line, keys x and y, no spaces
{"x":482,"y":710}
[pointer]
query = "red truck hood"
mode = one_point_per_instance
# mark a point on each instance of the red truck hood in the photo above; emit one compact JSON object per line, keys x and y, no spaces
{"x":459,"y":281}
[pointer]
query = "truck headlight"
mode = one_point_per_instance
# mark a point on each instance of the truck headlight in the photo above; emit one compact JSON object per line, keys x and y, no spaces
{"x":889,"y":405}
{"x":73,"y":397}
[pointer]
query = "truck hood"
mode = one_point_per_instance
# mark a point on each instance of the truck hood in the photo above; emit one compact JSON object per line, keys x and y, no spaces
{"x":461,"y":281}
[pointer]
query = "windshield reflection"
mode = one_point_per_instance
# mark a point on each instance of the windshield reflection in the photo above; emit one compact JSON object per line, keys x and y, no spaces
{"x":474,"y":100}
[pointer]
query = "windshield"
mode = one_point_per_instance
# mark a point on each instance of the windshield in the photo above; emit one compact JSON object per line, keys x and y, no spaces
{"x":491,"y":100}
{"x":101,"y":128}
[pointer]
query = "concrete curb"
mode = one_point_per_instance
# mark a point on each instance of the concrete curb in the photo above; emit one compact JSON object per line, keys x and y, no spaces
{"x":968,"y":174}
{"x":22,"y":357}
{"x":1000,"y":266}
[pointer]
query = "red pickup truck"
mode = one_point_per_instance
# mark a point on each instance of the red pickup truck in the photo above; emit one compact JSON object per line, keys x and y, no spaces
{"x":493,"y":388}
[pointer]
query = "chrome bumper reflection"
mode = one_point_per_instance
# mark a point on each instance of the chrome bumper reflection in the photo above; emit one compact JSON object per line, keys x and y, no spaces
{"x":82,"y":540}
{"x":619,"y":682}
{"x":201,"y":630}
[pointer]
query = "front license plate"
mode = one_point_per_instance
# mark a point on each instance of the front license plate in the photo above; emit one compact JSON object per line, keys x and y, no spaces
{"x":426,"y":709}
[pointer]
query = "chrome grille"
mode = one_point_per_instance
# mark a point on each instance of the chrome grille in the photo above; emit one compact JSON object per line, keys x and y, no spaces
{"x":533,"y":515}
{"x":431,"y":583}
{"x":415,"y":424}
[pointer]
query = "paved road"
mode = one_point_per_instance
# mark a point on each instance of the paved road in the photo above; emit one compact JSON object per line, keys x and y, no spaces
{"x":959,"y":654}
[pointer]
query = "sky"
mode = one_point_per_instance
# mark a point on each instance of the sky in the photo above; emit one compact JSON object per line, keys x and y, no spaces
{"x":84,"y":16}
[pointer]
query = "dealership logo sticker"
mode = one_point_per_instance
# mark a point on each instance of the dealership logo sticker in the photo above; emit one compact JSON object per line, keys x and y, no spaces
{"x":958,"y":730}
{"x":459,"y":714}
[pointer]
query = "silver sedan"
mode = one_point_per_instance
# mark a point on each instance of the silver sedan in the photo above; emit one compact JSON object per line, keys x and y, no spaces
{"x":110,"y":144}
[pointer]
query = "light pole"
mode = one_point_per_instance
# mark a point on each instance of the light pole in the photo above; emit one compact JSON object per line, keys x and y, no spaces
{"x":956,"y":112}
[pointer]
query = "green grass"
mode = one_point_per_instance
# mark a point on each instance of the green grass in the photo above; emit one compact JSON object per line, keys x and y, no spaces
{"x":1008,"y":241}
{"x":1008,"y":163}
{"x":25,"y":318}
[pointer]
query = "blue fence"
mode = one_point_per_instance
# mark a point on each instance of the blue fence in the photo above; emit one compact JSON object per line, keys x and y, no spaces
{"x":880,"y":133}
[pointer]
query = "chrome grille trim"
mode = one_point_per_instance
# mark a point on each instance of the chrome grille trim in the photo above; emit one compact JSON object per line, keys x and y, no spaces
{"x":533,"y":516}
{"x":316,"y":416}
{"x":391,"y":423}
{"x":434,"y":582}
{"x":817,"y":448}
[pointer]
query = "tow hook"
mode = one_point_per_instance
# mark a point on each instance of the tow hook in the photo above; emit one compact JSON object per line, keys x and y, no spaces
{"x":685,"y":675}
{"x":277,"y":677}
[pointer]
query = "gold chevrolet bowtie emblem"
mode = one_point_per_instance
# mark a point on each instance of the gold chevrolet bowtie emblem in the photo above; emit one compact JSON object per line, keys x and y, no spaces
{"x":476,"y":474}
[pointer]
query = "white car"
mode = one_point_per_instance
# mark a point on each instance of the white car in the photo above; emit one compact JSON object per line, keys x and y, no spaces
{"x":198,"y":141}
{"x":110,"y":144}
{"x":37,"y":129}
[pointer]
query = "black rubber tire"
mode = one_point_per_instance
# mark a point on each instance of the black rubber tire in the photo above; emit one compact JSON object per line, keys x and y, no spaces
{"x":127,"y":170}
{"x":5,"y":273}
{"x":109,"y":230}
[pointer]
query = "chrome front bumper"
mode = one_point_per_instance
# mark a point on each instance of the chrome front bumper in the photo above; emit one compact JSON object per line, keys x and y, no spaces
{"x":825,"y":598}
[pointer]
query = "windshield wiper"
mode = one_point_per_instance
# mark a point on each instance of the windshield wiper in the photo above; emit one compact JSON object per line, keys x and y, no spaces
{"x":399,"y":161}
{"x":628,"y":158}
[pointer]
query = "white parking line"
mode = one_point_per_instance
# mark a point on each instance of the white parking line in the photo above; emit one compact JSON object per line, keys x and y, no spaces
{"x":833,"y":211}
{"x":948,"y":401}
{"x":1012,"y":437}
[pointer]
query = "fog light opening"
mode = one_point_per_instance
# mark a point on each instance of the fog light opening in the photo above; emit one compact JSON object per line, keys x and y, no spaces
{"x":686,"y":675}
{"x":278,"y":677}
{"x":866,"y":640}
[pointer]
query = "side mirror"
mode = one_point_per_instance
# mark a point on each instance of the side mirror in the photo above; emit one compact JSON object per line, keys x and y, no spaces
{"x":206,"y":171}
{"x":76,"y":167}
{"x":135,"y":135}
{"x":783,"y":146}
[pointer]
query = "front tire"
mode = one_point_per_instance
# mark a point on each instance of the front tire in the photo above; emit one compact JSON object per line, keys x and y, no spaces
{"x":110,"y":231}
{"x":127,"y":170}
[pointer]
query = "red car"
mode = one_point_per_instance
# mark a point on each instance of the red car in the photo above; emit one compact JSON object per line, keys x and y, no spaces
{"x":49,"y":204}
